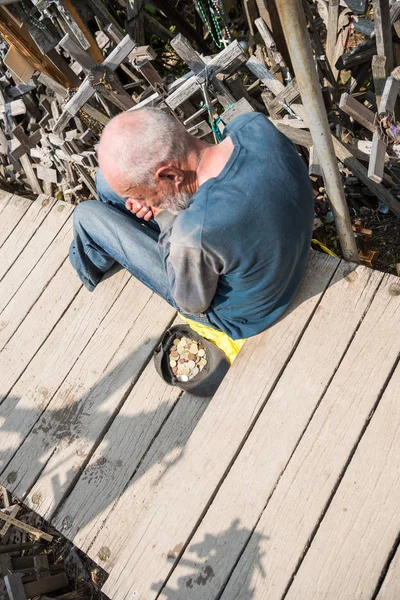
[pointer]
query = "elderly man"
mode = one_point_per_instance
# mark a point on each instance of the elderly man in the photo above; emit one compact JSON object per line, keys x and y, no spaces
{"x":222,"y":232}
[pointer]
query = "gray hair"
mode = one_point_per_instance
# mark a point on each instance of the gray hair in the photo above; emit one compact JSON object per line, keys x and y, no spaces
{"x":137,"y":143}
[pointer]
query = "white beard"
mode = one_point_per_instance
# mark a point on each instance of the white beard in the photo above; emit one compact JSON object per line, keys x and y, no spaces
{"x":176,"y":202}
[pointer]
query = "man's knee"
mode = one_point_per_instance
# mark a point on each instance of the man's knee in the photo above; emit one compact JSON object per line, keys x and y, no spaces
{"x":85,"y":213}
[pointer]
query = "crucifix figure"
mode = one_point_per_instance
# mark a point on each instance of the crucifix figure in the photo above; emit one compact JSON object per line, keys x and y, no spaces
{"x":112,"y":91}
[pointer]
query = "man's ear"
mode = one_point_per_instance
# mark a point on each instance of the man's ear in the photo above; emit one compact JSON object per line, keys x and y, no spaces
{"x":171,"y":174}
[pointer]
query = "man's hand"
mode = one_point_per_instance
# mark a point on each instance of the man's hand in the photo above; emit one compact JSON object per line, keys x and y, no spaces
{"x":140,"y":210}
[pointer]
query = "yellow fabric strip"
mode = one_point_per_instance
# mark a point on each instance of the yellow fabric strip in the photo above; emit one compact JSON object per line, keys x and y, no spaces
{"x":230,"y":347}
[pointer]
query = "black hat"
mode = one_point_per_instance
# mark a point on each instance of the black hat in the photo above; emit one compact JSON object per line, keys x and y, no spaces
{"x":204,"y":384}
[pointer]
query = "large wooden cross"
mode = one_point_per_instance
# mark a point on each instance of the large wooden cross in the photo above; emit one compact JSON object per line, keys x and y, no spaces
{"x":225,"y":61}
{"x":197,"y":64}
{"x":103,"y":83}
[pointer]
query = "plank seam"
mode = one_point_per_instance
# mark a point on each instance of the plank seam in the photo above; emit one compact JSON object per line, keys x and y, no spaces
{"x":148,"y":449}
{"x":61,"y":383}
{"x":386,"y":566}
{"x":144,"y":454}
{"x":6,"y":204}
{"x":16,"y":225}
{"x":341,"y":475}
{"x":27,"y":242}
{"x":302,"y":435}
{"x":242,"y":443}
{"x":34,"y":266}
{"x":102,"y":434}
{"x":34,"y":303}
{"x":44,"y":341}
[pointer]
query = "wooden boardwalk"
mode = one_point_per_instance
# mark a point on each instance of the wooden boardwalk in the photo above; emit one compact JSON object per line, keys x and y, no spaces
{"x":286,"y":484}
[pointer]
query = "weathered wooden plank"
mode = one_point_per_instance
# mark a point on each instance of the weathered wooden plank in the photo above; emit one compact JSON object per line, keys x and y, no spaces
{"x":390,"y":589}
{"x":33,"y":250}
{"x":379,"y":73}
{"x":205,"y":458}
{"x":53,"y":361}
{"x":314,"y":166}
{"x":92,"y":393}
{"x":362,"y":523}
{"x":30,"y":174}
{"x":271,"y":45}
{"x":358,"y":111}
{"x":39,"y":303}
{"x":13,"y":108}
{"x":222,"y":62}
{"x":268,"y":79}
{"x":305,"y":488}
{"x":239,"y":108}
{"x":377,"y":158}
{"x":348,"y":159}
{"x":77,"y":53}
{"x":276,"y":434}
{"x":287,"y":96}
{"x":383,"y":32}
{"x":4,"y":199}
{"x":11,"y":215}
{"x":27,"y":227}
{"x":124,"y":446}
{"x":332,"y":31}
{"x":47,"y":174}
{"x":389,"y":95}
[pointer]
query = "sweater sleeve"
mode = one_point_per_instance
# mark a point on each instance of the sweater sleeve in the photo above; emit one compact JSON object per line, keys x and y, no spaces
{"x":192,"y":272}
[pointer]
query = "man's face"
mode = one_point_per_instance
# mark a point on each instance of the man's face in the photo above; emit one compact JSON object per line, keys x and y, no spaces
{"x":152,"y":198}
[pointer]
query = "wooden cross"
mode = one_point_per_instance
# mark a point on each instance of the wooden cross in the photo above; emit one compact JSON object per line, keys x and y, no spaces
{"x":285,"y":96}
{"x":86,"y":90}
{"x":102,"y":78}
{"x":197,"y":64}
{"x":25,"y":161}
{"x":371,"y":121}
{"x":225,"y":61}
{"x":26,"y":143}
{"x":140,"y":59}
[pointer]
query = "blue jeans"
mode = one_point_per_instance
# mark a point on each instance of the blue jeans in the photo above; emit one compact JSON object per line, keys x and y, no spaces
{"x":106,"y":233}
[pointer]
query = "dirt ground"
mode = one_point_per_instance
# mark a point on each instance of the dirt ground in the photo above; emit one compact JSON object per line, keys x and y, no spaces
{"x":385,"y":238}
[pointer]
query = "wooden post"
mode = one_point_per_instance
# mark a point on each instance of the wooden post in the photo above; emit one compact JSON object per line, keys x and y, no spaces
{"x":294,"y":25}
{"x":383,"y":32}
{"x":333,"y":16}
{"x":379,"y":74}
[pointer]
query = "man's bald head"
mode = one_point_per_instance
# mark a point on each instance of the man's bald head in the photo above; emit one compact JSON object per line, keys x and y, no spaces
{"x":135,"y":144}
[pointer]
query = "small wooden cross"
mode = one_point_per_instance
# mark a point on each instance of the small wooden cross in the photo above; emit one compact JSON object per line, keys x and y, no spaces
{"x":26,"y":143}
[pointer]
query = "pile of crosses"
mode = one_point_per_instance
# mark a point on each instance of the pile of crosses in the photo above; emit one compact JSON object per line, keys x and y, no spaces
{"x":51,"y":124}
